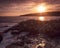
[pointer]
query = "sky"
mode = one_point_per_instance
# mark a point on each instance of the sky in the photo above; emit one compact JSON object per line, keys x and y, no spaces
{"x":19,"y":7}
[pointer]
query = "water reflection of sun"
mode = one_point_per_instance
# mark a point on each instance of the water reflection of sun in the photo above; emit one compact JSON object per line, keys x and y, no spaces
{"x":41,"y":18}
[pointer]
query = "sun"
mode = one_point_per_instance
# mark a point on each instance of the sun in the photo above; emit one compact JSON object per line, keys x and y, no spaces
{"x":41,"y":8}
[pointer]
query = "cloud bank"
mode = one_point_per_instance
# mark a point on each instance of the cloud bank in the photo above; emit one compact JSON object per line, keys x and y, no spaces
{"x":17,"y":7}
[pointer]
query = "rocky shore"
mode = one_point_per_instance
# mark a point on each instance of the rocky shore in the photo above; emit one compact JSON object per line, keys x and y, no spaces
{"x":33,"y":34}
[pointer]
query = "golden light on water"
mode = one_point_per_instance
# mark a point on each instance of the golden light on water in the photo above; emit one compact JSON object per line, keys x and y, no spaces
{"x":41,"y":18}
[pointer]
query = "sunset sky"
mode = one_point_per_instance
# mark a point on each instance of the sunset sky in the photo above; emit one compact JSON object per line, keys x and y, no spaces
{"x":18,"y":7}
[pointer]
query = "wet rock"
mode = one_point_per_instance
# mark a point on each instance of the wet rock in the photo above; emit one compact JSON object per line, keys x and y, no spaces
{"x":13,"y":45}
{"x":49,"y":46}
{"x":29,"y":26}
{"x":26,"y":47}
{"x":49,"y":28}
{"x":39,"y":47}
{"x":34,"y":27}
{"x":20,"y":43}
{"x":25,"y":40}
{"x":1,"y":36}
{"x":14,"y":32}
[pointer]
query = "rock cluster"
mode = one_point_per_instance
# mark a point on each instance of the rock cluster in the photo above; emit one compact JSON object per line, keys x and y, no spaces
{"x":34,"y":27}
{"x":35,"y":32}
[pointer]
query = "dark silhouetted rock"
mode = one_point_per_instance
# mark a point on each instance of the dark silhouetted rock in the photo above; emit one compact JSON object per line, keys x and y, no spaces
{"x":34,"y":27}
{"x":26,"y":47}
{"x":1,"y":36}
{"x":54,"y":13}
{"x":14,"y":32}
{"x":20,"y":43}
{"x":13,"y":45}
{"x":39,"y":47}
{"x":50,"y":28}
